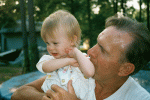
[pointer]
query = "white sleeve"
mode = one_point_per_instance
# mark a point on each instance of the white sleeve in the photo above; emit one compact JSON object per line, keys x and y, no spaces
{"x":42,"y":60}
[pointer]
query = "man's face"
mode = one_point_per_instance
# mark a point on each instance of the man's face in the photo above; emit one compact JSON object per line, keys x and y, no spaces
{"x":105,"y":55}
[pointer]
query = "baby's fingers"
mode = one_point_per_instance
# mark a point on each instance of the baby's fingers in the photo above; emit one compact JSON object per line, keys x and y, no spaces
{"x":67,"y":50}
{"x":76,"y":65}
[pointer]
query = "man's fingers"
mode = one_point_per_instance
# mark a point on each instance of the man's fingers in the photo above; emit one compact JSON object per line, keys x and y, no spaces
{"x":59,"y":93}
{"x":70,"y":87}
{"x":50,"y":94}
{"x":46,"y":98}
{"x":56,"y":88}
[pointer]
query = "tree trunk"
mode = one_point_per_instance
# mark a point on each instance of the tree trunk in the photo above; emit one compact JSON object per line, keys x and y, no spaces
{"x":148,"y":15}
{"x":72,"y":7}
{"x":26,"y":65}
{"x":123,"y":6}
{"x":89,"y":18}
{"x":115,"y":6}
{"x":33,"y":51}
{"x":140,"y":18}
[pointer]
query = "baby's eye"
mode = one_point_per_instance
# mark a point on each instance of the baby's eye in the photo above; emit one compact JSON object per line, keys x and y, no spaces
{"x":55,"y":43}
{"x":47,"y":43}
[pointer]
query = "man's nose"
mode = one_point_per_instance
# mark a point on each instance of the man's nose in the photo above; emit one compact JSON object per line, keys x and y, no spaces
{"x":92,"y":52}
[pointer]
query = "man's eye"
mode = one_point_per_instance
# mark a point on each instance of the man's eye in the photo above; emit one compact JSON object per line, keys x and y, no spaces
{"x":101,"y":48}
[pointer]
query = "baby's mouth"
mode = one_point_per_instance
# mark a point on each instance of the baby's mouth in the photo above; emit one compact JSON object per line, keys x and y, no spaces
{"x":54,"y":54}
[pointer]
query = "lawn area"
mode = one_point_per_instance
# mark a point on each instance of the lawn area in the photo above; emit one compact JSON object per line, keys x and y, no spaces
{"x":6,"y":72}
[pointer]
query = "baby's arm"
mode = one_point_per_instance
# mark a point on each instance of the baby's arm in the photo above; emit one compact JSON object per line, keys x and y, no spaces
{"x":54,"y":64}
{"x":85,"y":65}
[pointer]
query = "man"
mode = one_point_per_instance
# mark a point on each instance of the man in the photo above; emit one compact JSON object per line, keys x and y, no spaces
{"x":122,"y":49}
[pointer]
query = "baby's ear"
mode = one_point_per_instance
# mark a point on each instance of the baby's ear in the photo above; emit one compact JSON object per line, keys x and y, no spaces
{"x":74,"y":40}
{"x":126,"y":69}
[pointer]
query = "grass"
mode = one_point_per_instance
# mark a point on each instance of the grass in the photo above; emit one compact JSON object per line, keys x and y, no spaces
{"x":8,"y":71}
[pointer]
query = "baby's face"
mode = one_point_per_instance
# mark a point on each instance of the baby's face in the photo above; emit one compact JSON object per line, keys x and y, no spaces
{"x":57,"y":45}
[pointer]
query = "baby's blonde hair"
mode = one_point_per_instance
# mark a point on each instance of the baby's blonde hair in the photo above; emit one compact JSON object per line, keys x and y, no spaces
{"x":61,"y":18}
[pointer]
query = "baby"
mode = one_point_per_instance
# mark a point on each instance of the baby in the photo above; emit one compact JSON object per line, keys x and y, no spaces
{"x":61,"y":32}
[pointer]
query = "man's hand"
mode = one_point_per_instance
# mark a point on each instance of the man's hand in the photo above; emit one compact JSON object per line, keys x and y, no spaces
{"x":59,"y":93}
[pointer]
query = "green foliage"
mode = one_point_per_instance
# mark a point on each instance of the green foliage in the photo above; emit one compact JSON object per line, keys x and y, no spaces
{"x":91,"y":24}
{"x":46,"y":7}
{"x":98,"y":20}
{"x":10,"y":12}
{"x":6,"y":21}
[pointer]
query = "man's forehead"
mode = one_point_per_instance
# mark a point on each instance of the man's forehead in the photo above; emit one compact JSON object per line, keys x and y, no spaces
{"x":106,"y":33}
{"x":113,"y":36}
{"x":113,"y":32}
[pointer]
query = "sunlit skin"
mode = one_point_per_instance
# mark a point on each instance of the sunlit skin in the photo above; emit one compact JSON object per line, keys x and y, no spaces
{"x":62,"y":46}
{"x":105,"y":56}
{"x":110,"y":74}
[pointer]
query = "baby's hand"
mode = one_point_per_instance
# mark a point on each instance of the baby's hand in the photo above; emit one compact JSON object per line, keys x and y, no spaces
{"x":73,"y":62}
{"x":70,"y":52}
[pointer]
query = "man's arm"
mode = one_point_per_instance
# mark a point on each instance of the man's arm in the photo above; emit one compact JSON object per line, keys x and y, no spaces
{"x":31,"y":91}
{"x":59,"y":93}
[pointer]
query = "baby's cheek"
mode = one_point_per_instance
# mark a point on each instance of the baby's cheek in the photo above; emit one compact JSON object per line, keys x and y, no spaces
{"x":66,"y":50}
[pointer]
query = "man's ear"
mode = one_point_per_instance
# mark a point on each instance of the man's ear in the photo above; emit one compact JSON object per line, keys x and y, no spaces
{"x":74,"y":40}
{"x":126,"y":69}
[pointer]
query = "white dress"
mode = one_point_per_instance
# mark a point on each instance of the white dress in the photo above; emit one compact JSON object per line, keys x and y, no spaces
{"x":84,"y":88}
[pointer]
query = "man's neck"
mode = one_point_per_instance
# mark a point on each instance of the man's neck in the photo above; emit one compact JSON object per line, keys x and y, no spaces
{"x":106,"y":89}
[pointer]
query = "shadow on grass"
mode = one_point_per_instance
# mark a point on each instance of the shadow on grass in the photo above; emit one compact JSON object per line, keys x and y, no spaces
{"x":8,"y":71}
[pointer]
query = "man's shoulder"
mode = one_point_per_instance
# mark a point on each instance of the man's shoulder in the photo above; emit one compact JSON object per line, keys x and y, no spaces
{"x":130,"y":90}
{"x":139,"y":94}
{"x":134,"y":85}
{"x":136,"y":91}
